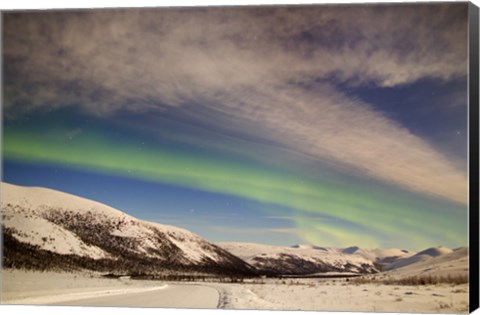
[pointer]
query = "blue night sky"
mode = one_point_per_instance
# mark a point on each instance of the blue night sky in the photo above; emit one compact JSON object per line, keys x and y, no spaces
{"x":328,"y":125}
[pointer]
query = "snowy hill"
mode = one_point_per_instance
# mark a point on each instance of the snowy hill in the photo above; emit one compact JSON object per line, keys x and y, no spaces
{"x":447,"y":263}
{"x":423,"y":256}
{"x":40,"y":223}
{"x":382,"y":257}
{"x":301,"y":259}
{"x":46,"y":229}
{"x":309,"y":259}
{"x":378,"y":253}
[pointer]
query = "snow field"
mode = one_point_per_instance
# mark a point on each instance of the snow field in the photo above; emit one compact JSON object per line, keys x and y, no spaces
{"x":27,"y":287}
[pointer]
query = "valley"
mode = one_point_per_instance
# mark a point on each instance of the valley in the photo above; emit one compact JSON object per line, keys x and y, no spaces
{"x":61,"y":249}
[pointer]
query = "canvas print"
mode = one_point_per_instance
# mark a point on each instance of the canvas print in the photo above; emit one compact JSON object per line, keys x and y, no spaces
{"x":251,"y":157}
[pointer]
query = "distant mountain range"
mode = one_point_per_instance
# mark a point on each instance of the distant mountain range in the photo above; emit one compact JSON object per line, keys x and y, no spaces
{"x":308,"y":259}
{"x":46,"y":229}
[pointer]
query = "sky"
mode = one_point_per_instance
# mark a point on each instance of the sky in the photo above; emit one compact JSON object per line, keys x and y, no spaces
{"x":330,"y":125}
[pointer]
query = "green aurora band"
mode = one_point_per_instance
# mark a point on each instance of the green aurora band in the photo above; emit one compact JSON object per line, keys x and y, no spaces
{"x":354,"y":215}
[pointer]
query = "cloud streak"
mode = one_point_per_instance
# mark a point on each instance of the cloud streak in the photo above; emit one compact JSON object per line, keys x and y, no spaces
{"x":271,"y":73}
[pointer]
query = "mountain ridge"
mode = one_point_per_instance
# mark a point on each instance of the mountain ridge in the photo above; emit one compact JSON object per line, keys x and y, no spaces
{"x":46,"y":221}
{"x":310,"y":259}
{"x":45,"y":228}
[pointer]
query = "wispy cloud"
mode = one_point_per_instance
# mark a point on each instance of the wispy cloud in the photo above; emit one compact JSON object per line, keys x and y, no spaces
{"x":293,"y":231}
{"x":293,"y":218}
{"x":281,"y":217}
{"x":270,"y":71}
{"x":260,"y":231}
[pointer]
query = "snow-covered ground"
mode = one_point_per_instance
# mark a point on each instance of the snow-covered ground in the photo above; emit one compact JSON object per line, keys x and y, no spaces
{"x":339,"y":295}
{"x":275,"y":294}
{"x":87,"y":289}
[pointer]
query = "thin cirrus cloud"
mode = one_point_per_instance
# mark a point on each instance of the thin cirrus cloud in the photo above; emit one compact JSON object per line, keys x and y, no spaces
{"x":291,"y":218}
{"x":269,"y":72}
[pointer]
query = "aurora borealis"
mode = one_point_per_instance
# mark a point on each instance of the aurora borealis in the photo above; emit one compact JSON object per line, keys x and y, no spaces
{"x":275,"y":125}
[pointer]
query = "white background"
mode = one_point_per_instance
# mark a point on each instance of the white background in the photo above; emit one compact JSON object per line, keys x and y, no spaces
{"x":50,"y":4}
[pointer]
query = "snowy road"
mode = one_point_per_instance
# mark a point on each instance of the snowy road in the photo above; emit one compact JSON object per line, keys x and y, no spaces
{"x":177,"y":296}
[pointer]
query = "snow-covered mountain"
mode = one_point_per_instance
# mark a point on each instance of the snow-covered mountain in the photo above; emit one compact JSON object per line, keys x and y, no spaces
{"x":439,"y":261}
{"x":43,"y":229}
{"x":424,"y":255}
{"x":381,"y":257}
{"x":71,"y":231}
{"x":308,"y":259}
{"x":377,"y":253}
